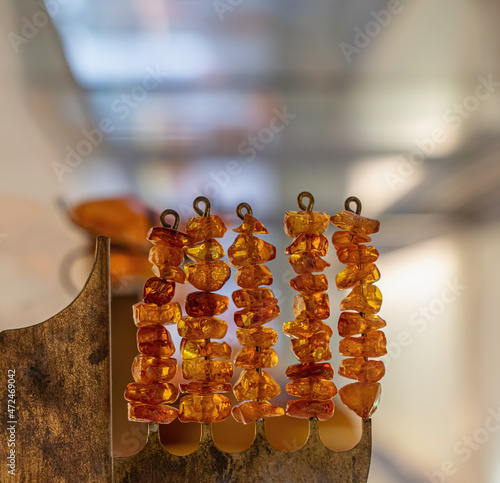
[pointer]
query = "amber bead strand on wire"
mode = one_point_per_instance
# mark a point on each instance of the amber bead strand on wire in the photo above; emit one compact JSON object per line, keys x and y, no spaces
{"x":154,"y":367}
{"x":310,"y":335}
{"x":201,"y":357}
{"x":358,"y":324}
{"x":258,"y":307}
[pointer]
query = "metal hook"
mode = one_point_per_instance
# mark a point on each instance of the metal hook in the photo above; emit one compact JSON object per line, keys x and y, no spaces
{"x":176,"y":219}
{"x":305,"y":194}
{"x":350,"y":200}
{"x":239,"y":210}
{"x":197,"y":201}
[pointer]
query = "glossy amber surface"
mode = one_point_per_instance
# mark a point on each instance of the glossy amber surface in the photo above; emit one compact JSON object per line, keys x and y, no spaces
{"x":208,"y":276}
{"x":196,"y":349}
{"x":298,"y":222}
{"x":361,"y":397}
{"x":158,"y":291}
{"x":313,"y":349}
{"x":251,"y":226}
{"x":252,"y":385}
{"x":347,"y":220}
{"x":372,"y":345}
{"x":362,"y":370}
{"x":152,"y":314}
{"x":164,"y":256}
{"x":207,"y":251}
{"x":155,"y":340}
{"x":357,"y":254}
{"x":251,"y":276}
{"x":246,"y":297}
{"x":306,"y":326}
{"x":322,"y":369}
{"x":363,"y":298}
{"x":250,"y":250}
{"x":199,"y":304}
{"x":200,"y":228}
{"x":250,"y":411}
{"x":257,"y":337}
{"x":307,"y":262}
{"x":309,"y":283}
{"x":309,"y":242}
{"x":312,"y":388}
{"x":322,"y":409}
{"x":257,"y":314}
{"x":251,"y":358}
{"x":202,"y":327}
{"x":341,"y":239}
{"x":159,"y":393}
{"x":316,"y":304}
{"x":160,"y":235}
{"x":146,"y":413}
{"x":174,"y":274}
{"x":352,"y":323}
{"x":205,"y":387}
{"x":354,"y":275}
{"x":207,"y":370}
{"x":205,"y":408}
{"x":151,"y":370}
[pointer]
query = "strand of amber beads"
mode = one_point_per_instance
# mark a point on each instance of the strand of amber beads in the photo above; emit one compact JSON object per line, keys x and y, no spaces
{"x":258,"y":307}
{"x":359,"y":325}
{"x":311,"y":379}
{"x":205,"y":363}
{"x":154,"y":367}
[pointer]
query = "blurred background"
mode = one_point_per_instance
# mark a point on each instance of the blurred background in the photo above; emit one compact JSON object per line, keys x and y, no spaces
{"x":114,"y":111}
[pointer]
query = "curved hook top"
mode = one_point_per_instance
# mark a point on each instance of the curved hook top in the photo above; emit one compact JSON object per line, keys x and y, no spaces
{"x":353,"y":199}
{"x":197,"y":201}
{"x":300,"y":198}
{"x":176,"y":219}
{"x":241,"y":207}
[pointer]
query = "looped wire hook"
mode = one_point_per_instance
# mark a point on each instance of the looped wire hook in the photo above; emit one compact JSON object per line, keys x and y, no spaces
{"x":176,"y":219}
{"x":305,"y":194}
{"x":241,"y":207}
{"x":353,"y":199}
{"x":198,"y":210}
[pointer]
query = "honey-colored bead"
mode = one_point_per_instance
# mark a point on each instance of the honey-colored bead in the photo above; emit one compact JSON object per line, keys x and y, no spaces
{"x":257,"y":314}
{"x":257,"y":337}
{"x":357,"y":254}
{"x":307,"y":262}
{"x":152,"y":370}
{"x":310,"y":408}
{"x":312,"y":388}
{"x":147,"y":413}
{"x":158,"y":291}
{"x":199,"y":304}
{"x":250,"y":250}
{"x":252,"y":385}
{"x":306,"y":326}
{"x":313,"y":349}
{"x":347,"y":220}
{"x":352,"y":323}
{"x":363,"y":298}
{"x":372,"y":345}
{"x":160,"y":235}
{"x":298,"y":222}
{"x":341,"y":239}
{"x":155,"y":340}
{"x":202,"y":328}
{"x":361,"y":397}
{"x":308,"y":242}
{"x":246,"y":297}
{"x":152,"y":314}
{"x":207,"y":251}
{"x":251,"y":226}
{"x":362,"y":370}
{"x":207,"y":370}
{"x":209,"y":276}
{"x":309,"y":283}
{"x":207,"y":408}
{"x":204,"y":387}
{"x":173,"y":274}
{"x":323,"y":370}
{"x":251,"y":276}
{"x":195,"y":349}
{"x":354,"y":275}
{"x":201,"y":228}
{"x":164,"y":256}
{"x":250,"y":358}
{"x":317,"y":304}
{"x":154,"y":394}
{"x":250,"y":411}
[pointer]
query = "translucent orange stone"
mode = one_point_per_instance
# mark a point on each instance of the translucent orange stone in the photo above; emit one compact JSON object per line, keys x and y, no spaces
{"x":152,"y":314}
{"x":347,"y":220}
{"x":360,"y":369}
{"x":250,"y":250}
{"x":160,"y":235}
{"x":202,"y":328}
{"x":207,"y":370}
{"x":257,"y":337}
{"x":152,"y":370}
{"x":317,"y":304}
{"x":312,"y":388}
{"x":250,"y":411}
{"x":357,"y":254}
{"x":309,"y":242}
{"x":372,"y":345}
{"x":206,"y":408}
{"x":147,"y":413}
{"x":158,"y":291}
{"x":194,"y":349}
{"x":164,"y":256}
{"x":323,"y":370}
{"x":174,"y":274}
{"x":257,"y":314}
{"x":251,"y":226}
{"x":209,"y":276}
{"x":354,"y":275}
{"x":203,"y":387}
{"x":246,"y":297}
{"x":352,"y":323}
{"x":310,"y":408}
{"x":298,"y":222}
{"x":151,"y":393}
{"x":155,"y":340}
{"x":361,"y":397}
{"x":201,"y":228}
{"x":252,"y":385}
{"x":307,"y":262}
{"x":341,"y":239}
{"x":309,"y":283}
{"x":251,"y":276}
{"x":306,"y":326}
{"x":313,"y":349}
{"x":199,"y":304}
{"x":363,"y":298}
{"x":251,"y":358}
{"x":207,"y":251}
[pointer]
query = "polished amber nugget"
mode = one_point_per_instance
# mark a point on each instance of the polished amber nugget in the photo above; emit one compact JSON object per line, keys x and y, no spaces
{"x":160,"y":235}
{"x":207,"y":251}
{"x":201,"y":228}
{"x":313,"y":349}
{"x":361,"y":397}
{"x":317,"y":304}
{"x":257,"y":337}
{"x":252,"y":276}
{"x":155,"y":340}
{"x":152,"y":314}
{"x":146,"y":413}
{"x":323,"y":370}
{"x":307,"y":262}
{"x":202,"y":328}
{"x":372,"y":345}
{"x":309,"y":242}
{"x":251,"y":226}
{"x":164,"y":256}
{"x":341,"y":239}
{"x":305,"y":326}
{"x":209,"y":276}
{"x":195,"y":349}
{"x":250,"y":411}
{"x":357,"y":254}
{"x":246,"y":297}
{"x":347,"y":220}
{"x":309,"y":283}
{"x":352,"y":323}
{"x":151,"y":393}
{"x":257,"y":314}
{"x":363,"y":298}
{"x":207,"y":370}
{"x":252,"y":385}
{"x":207,"y":408}
{"x":298,"y":222}
{"x":354,"y":275}
{"x":251,"y":358}
{"x":362,"y":370}
{"x":310,"y":408}
{"x":312,"y":388}
{"x":199,"y":304}
{"x":174,"y":274}
{"x":250,"y":250}
{"x":205,"y":387}
{"x":152,"y":370}
{"x":158,"y":291}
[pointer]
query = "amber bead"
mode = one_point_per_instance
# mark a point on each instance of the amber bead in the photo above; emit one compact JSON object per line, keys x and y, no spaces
{"x":257,"y":314}
{"x":363,"y":298}
{"x":313,"y":349}
{"x":250,"y":411}
{"x":207,"y":251}
{"x":151,"y":393}
{"x":160,"y":235}
{"x":252,"y":385}
{"x":202,"y":328}
{"x":201,"y":228}
{"x":309,"y":242}
{"x":306,"y":326}
{"x":250,"y":250}
{"x":309,"y":283}
{"x":354,"y":275}
{"x":207,"y":370}
{"x":199,"y":304}
{"x":155,"y":340}
{"x":151,"y":370}
{"x":307,"y":262}
{"x":209,"y":276}
{"x":312,"y":388}
{"x":251,"y":276}
{"x":246,"y":297}
{"x":257,"y":337}
{"x":147,"y":413}
{"x":194,"y":349}
{"x":352,"y":323}
{"x":372,"y":345}
{"x":298,"y":222}
{"x":251,"y":358}
{"x":322,"y":409}
{"x":357,"y":254}
{"x":206,"y":408}
{"x":174,"y":274}
{"x":341,"y":239}
{"x":316,"y":304}
{"x":347,"y":220}
{"x":361,"y":397}
{"x":251,"y":226}
{"x":205,"y":387}
{"x":164,"y":256}
{"x":362,"y":370}
{"x":323,"y":370}
{"x":152,"y":314}
{"x":158,"y":291}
